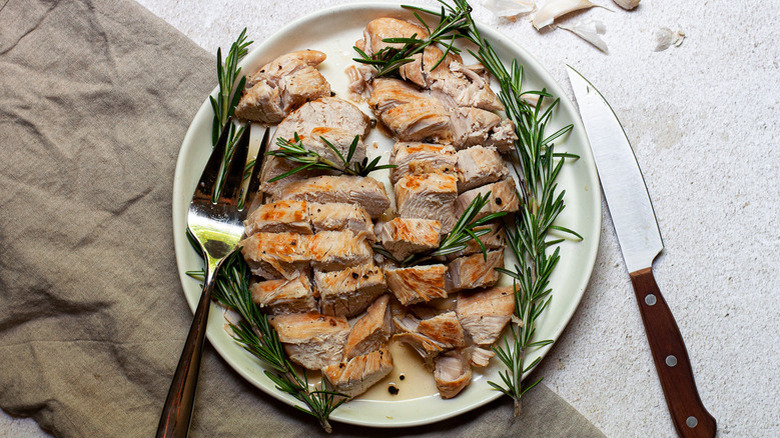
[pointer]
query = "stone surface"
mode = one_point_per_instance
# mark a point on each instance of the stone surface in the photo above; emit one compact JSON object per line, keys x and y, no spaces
{"x":702,"y":120}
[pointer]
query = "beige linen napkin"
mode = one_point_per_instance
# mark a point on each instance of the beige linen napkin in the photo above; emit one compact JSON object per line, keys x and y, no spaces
{"x":95,"y":98}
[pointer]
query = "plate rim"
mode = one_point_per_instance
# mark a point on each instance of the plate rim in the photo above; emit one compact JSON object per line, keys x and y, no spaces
{"x":179,"y":215}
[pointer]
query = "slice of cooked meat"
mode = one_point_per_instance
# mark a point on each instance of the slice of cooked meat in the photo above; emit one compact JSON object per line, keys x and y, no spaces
{"x":371,"y":331}
{"x":502,"y":136}
{"x":279,"y":297}
{"x":360,"y":77}
{"x":465,"y":87}
{"x":417,"y":283}
{"x":480,"y":357}
{"x":355,"y":376}
{"x":419,"y":70}
{"x":277,"y":255}
{"x":338,"y":138}
{"x":403,"y":237}
{"x":334,"y":250}
{"x":364,"y":191}
{"x":427,"y":348}
{"x":349,"y":291}
{"x":413,"y":71}
{"x":286,"y":64}
{"x":312,"y":340}
{"x":279,"y":217}
{"x":327,"y":112}
{"x":503,"y":197}
{"x":494,"y":239}
{"x":341,"y":217}
{"x":304,"y":85}
{"x":281,"y":86}
{"x":444,"y":329}
{"x":389,"y":93}
{"x":406,"y":323}
{"x":471,"y":272}
{"x":262,"y":103}
{"x":452,"y":372}
{"x":385,"y":27}
{"x":418,"y":120}
{"x":420,"y":158}
{"x":275,"y":166}
{"x":429,"y":196}
{"x":484,"y":314}
{"x":472,"y":126}
{"x":478,"y":166}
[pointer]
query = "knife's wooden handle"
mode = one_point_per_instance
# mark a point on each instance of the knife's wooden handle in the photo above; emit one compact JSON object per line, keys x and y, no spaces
{"x":690,"y":417}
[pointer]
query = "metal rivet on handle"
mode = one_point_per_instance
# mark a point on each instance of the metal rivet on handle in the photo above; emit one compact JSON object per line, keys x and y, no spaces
{"x":691,"y":422}
{"x":650,"y":299}
{"x":671,"y":361}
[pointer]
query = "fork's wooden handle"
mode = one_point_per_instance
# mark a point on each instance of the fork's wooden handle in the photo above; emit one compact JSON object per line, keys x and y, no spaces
{"x":689,"y":415}
{"x":175,"y":419}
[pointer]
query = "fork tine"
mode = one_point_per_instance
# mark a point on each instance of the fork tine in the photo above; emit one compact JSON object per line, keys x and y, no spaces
{"x":236,"y":168}
{"x":208,"y":178}
{"x":253,"y":190}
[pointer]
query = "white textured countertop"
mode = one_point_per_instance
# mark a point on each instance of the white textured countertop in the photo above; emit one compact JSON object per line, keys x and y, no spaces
{"x":702,"y":119}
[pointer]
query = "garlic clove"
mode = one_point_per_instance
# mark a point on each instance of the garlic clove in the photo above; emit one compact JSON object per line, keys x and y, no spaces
{"x":510,"y":9}
{"x":665,"y":38}
{"x":627,"y":4}
{"x":590,"y":31}
{"x":556,"y":8}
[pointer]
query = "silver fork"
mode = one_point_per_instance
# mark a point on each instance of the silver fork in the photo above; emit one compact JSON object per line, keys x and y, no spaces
{"x":216,"y":222}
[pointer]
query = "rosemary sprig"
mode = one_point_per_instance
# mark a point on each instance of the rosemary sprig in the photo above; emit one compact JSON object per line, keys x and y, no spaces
{"x":390,"y":59}
{"x":225,"y":103}
{"x":257,"y":336}
{"x":227,"y":73}
{"x":465,"y":229}
{"x":541,"y":204}
{"x":297,"y":152}
{"x":231,"y":289}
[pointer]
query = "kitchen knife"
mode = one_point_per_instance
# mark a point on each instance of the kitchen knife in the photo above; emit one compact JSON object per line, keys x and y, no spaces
{"x":640,"y":240}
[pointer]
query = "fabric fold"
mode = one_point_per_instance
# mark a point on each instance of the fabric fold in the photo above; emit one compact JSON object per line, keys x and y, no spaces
{"x":95,"y":99}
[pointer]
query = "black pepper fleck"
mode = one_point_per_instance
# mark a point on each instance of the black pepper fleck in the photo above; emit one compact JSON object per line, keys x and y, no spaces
{"x":498,"y":201}
{"x":401,"y":377}
{"x":392,"y":390}
{"x":355,"y":275}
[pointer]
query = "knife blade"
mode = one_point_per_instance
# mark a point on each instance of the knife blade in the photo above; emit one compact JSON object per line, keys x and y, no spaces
{"x":640,"y":242}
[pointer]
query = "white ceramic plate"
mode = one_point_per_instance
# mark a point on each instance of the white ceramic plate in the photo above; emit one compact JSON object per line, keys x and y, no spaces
{"x":334,"y":31}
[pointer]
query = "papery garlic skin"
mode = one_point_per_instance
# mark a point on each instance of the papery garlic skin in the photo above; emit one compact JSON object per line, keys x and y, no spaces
{"x":627,"y":4}
{"x":665,"y":38}
{"x":510,"y":9}
{"x":591,"y":32}
{"x":556,"y":8}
